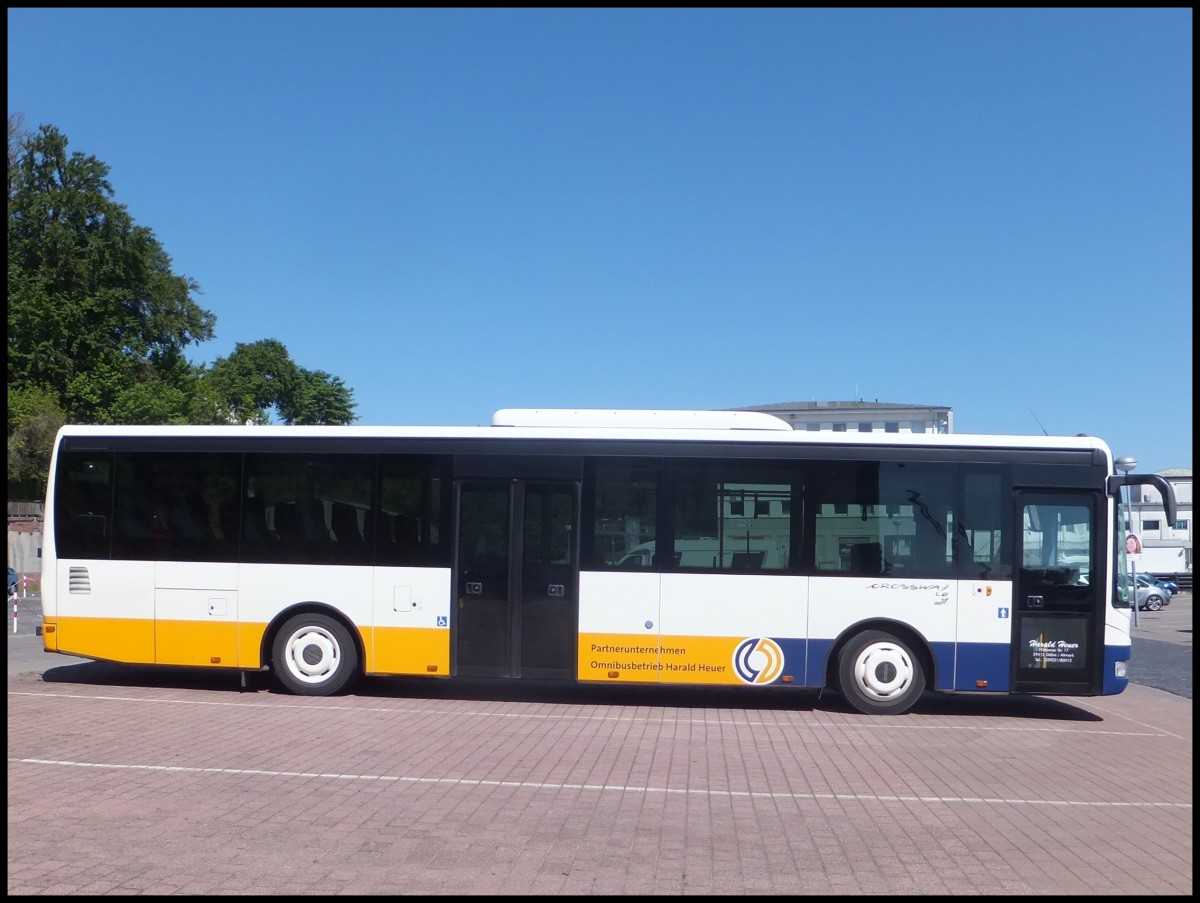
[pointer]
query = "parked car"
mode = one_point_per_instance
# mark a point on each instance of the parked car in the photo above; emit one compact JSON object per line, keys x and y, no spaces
{"x":1168,"y":586}
{"x":13,"y":580}
{"x":1152,"y":598}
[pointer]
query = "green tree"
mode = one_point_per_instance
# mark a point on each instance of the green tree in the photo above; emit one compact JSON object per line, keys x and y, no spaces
{"x":34,"y":416}
{"x":319,"y":398}
{"x":260,"y":378}
{"x":98,"y":323}
{"x":94,"y":308}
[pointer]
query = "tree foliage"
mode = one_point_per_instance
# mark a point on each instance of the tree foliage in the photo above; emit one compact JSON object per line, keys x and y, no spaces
{"x":94,"y":307}
{"x":98,"y":322}
{"x":34,"y":416}
{"x":319,"y":398}
{"x":260,"y":378}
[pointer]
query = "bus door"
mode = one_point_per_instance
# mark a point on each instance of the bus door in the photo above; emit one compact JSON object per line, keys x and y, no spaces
{"x":516,"y":579}
{"x":1058,"y":627}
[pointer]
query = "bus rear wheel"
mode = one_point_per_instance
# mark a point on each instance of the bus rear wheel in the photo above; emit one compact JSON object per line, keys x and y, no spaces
{"x":878,"y":674}
{"x":314,"y":655}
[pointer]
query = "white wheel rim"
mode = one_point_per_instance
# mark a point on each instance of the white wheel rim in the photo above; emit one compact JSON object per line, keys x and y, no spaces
{"x":312,"y":654}
{"x":883,"y":671}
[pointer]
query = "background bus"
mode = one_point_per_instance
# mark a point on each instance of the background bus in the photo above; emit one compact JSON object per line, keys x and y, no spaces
{"x":715,"y":548}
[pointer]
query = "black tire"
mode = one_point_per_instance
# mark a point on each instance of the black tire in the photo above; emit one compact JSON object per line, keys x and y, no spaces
{"x":314,"y":655}
{"x":1154,"y":602}
{"x":879,"y":674}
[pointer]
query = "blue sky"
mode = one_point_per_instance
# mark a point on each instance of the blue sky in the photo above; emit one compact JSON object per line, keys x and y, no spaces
{"x":457,"y":211}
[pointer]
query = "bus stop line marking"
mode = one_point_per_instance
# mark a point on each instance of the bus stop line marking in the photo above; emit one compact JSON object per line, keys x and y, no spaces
{"x":610,"y":788}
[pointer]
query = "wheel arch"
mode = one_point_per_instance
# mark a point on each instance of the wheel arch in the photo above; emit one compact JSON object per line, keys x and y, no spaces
{"x":915,"y":639}
{"x":267,"y":646}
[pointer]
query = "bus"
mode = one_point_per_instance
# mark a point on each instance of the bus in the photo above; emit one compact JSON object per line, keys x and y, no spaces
{"x":707,"y":548}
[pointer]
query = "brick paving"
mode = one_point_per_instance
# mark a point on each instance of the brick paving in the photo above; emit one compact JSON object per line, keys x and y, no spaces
{"x":130,"y":781}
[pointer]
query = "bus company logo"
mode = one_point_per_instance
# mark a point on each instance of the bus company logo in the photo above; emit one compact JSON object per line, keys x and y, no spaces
{"x":758,"y":660}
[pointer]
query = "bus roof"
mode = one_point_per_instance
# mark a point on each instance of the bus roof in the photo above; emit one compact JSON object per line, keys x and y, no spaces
{"x":631,"y":419}
{"x":568,"y":424}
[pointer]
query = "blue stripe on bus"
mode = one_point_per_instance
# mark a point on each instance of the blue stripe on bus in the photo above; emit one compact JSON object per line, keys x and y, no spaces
{"x":988,"y":662}
{"x":976,"y":661}
{"x":1113,"y":684}
{"x":958,"y":667}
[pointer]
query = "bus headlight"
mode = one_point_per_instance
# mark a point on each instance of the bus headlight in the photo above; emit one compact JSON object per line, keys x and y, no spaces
{"x":1122,"y":669}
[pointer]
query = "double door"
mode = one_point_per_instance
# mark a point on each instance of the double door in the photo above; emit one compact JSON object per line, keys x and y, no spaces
{"x":516,"y":578}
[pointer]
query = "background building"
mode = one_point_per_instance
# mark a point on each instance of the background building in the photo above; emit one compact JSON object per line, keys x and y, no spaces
{"x":861,"y":416}
{"x":1148,"y":517}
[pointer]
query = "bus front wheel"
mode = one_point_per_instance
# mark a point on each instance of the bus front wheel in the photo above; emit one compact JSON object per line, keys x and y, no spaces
{"x":314,"y":655}
{"x":878,"y":674}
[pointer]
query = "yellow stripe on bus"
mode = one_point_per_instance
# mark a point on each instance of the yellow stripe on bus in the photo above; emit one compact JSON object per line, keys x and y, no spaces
{"x":117,"y":639}
{"x":389,"y":650}
{"x":203,"y":643}
{"x":622,"y":658}
{"x":407,"y":650}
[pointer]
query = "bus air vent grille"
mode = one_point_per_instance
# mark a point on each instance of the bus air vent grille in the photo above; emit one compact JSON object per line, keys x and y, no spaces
{"x":79,"y":581}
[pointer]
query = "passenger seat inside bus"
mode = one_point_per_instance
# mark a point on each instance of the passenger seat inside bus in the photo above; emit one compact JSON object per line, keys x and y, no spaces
{"x":285,"y":521}
{"x":866,"y":559}
{"x":189,"y":517}
{"x":747,"y":561}
{"x":345,"y":522}
{"x":377,"y":527}
{"x":310,"y":519}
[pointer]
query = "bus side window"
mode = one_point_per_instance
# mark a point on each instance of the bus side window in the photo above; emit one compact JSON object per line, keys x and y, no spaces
{"x":83,"y":507}
{"x":621,"y":513}
{"x":413,"y":507}
{"x":984,"y":547}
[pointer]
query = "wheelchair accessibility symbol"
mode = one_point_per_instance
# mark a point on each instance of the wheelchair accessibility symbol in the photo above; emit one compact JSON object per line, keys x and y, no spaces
{"x":443,"y":621}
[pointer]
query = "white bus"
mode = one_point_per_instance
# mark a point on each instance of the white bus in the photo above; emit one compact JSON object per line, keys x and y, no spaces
{"x":620,"y":547}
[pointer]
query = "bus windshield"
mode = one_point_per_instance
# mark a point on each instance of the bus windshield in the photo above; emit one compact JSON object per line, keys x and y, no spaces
{"x":1123,"y":573}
